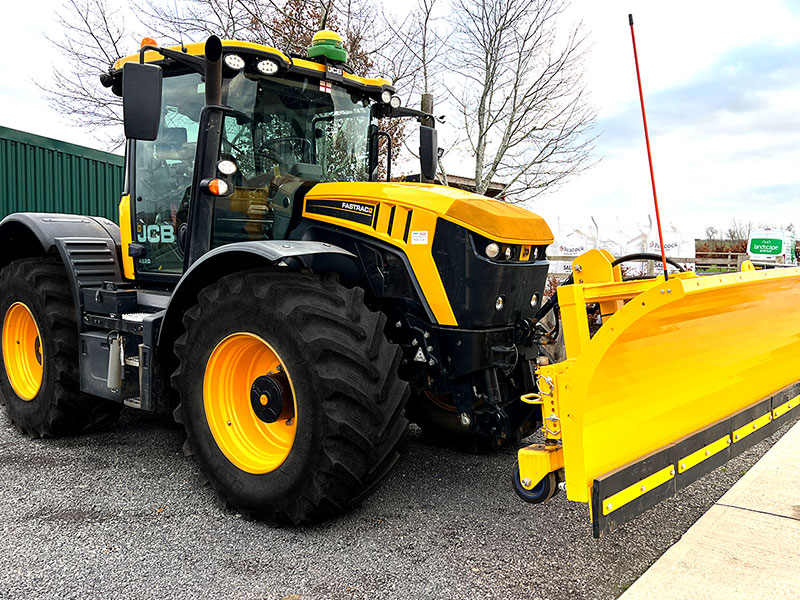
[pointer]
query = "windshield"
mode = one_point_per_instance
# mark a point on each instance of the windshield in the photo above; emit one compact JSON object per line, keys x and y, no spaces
{"x":284,"y":134}
{"x":306,"y":128}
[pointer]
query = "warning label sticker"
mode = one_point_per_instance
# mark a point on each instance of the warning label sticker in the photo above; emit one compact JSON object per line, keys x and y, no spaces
{"x":419,"y":237}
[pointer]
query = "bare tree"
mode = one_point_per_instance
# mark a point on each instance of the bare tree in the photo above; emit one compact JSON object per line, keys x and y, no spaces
{"x":738,"y":230}
{"x":93,"y":38}
{"x":196,"y":20}
{"x":413,"y":57}
{"x":287,"y":25}
{"x":414,"y":49}
{"x":524,"y":105}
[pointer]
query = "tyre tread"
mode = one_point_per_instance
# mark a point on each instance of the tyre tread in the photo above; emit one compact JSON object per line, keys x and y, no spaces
{"x":362,"y":397}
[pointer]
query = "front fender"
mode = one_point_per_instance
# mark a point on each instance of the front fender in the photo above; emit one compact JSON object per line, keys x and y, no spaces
{"x":242,"y":256}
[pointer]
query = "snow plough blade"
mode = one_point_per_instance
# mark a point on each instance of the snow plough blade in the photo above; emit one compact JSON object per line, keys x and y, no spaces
{"x":682,"y":375}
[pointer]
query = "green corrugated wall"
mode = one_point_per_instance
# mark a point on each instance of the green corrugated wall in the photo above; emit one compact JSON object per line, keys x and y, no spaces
{"x":44,"y":175}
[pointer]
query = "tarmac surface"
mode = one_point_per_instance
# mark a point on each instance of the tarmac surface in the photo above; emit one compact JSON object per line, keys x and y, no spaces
{"x":122,"y":514}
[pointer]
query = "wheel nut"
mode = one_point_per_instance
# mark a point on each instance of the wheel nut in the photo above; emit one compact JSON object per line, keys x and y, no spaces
{"x":526,"y":482}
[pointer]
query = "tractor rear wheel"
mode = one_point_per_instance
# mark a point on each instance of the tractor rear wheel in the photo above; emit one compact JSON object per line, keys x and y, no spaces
{"x":39,"y":374}
{"x":289,"y":394}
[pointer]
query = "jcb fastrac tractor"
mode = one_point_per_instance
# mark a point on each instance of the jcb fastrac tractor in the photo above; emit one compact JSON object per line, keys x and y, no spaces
{"x":293,"y":311}
{"x":265,"y":286}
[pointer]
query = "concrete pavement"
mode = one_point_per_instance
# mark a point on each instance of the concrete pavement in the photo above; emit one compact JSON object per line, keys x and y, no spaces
{"x":746,"y":546}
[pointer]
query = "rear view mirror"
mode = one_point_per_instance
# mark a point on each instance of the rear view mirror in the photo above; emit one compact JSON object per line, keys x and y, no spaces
{"x":141,"y":100}
{"x":428,"y":152}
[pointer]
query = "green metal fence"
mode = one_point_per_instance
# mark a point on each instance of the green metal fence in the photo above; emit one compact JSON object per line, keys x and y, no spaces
{"x":45,"y":175}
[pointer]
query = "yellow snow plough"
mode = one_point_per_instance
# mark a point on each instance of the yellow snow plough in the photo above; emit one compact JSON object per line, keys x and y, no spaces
{"x":683,"y":374}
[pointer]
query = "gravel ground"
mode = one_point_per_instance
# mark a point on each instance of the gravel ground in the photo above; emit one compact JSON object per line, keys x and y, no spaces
{"x":122,"y":514}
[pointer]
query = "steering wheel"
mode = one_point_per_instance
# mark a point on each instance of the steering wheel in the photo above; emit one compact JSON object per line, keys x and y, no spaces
{"x":298,"y":146}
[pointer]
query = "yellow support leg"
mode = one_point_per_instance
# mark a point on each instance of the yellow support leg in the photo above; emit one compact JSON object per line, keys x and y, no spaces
{"x":536,"y":462}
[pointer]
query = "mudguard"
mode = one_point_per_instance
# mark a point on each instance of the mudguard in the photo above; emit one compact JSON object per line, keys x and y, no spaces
{"x":318,"y":256}
{"x":27,"y":234}
{"x":682,"y":375}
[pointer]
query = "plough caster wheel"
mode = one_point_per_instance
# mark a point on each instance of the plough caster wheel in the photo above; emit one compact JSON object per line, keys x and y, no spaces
{"x":541,"y":492}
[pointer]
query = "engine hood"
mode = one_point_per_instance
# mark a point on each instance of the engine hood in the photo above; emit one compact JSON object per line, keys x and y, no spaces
{"x":491,"y":218}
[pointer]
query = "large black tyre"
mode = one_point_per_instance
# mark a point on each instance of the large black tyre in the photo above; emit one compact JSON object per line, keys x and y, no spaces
{"x":349,"y":401}
{"x":51,"y":403}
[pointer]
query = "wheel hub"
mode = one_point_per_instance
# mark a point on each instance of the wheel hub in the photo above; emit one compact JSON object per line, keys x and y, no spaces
{"x":249,"y":403}
{"x":268,"y":396}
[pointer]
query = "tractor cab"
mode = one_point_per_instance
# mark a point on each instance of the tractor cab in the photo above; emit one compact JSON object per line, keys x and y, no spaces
{"x":272,"y":128}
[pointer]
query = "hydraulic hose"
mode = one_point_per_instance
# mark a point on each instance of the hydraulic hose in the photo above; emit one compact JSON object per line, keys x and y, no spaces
{"x":645,"y":256}
{"x":553,"y":301}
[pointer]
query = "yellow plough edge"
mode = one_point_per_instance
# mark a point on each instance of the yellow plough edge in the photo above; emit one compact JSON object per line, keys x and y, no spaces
{"x":683,"y":375}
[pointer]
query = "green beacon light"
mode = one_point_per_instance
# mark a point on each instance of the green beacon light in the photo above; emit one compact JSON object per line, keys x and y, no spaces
{"x":328,"y":44}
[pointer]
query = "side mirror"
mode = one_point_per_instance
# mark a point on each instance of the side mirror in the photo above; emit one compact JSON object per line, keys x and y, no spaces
{"x":141,"y":100}
{"x":428,"y":152}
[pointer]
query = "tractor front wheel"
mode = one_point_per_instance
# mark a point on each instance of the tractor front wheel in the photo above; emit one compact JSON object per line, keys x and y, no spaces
{"x":289,"y":394}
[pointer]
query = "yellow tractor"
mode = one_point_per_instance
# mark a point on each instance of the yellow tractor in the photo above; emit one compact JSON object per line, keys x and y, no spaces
{"x":290,"y":307}
{"x":294,"y":311}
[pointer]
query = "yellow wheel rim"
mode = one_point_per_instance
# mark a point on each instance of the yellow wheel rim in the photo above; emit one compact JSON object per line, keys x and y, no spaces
{"x":22,"y":351}
{"x":248,"y":442}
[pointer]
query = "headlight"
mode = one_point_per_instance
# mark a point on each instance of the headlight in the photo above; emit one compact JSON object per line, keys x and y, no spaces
{"x":395,"y":102}
{"x":508,"y":253}
{"x":492,"y":250}
{"x":386,"y":96}
{"x":234,"y":61}
{"x":267,"y":67}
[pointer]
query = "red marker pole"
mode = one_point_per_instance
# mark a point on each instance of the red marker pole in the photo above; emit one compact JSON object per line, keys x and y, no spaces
{"x":649,"y":155}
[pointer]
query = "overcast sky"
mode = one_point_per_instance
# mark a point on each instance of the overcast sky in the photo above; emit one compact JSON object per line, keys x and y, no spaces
{"x":722,"y":90}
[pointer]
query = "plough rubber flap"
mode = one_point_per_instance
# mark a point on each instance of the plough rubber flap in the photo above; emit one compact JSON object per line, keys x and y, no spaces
{"x":681,"y":377}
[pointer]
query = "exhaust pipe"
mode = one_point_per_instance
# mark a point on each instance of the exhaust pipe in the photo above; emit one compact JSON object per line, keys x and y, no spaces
{"x":213,"y":74}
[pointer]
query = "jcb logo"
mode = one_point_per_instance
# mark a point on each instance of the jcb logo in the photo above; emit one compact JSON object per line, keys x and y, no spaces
{"x":163,"y":232}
